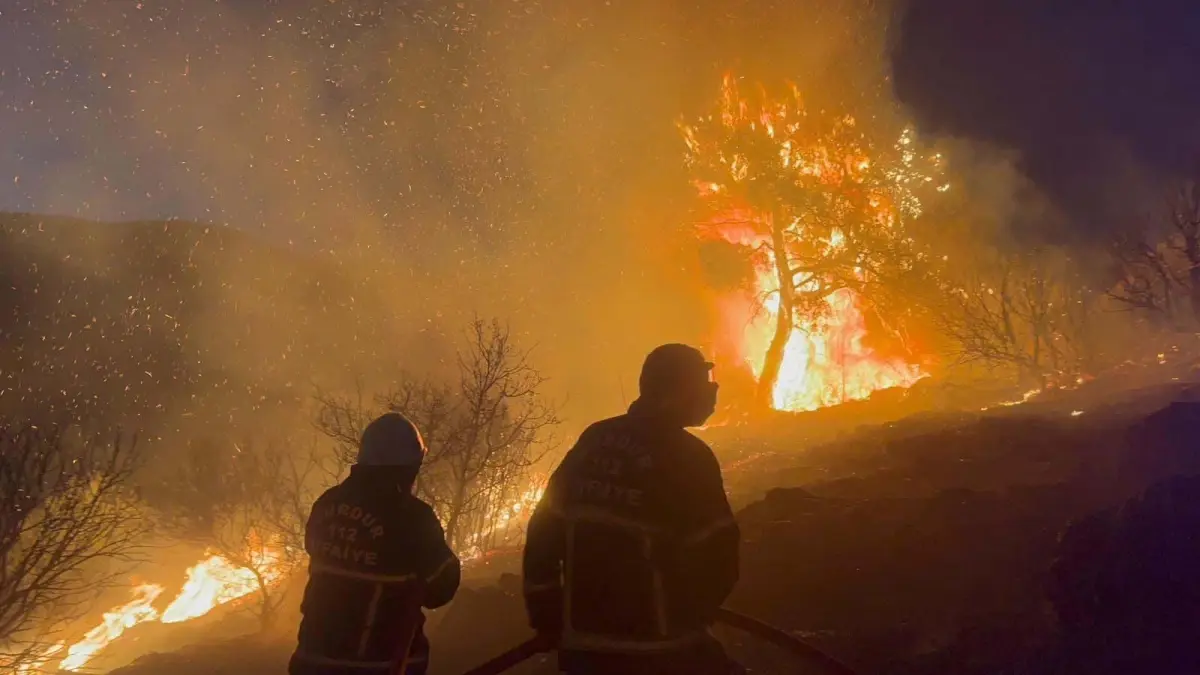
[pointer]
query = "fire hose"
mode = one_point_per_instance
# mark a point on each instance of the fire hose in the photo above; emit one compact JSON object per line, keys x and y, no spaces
{"x":797,"y":647}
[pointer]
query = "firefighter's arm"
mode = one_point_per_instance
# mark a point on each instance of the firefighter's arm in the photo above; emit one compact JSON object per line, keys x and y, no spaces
{"x":441,"y":570}
{"x":545,"y":547}
{"x":711,"y":546}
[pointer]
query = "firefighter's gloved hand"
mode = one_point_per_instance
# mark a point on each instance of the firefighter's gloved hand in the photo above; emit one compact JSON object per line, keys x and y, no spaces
{"x":547,"y":641}
{"x":545,"y":609}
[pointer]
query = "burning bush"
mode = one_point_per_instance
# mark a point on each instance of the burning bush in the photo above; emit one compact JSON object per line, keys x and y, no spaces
{"x":69,"y":522}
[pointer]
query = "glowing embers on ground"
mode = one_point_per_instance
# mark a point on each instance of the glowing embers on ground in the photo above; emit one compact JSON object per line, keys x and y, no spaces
{"x":210,"y":583}
{"x":1025,"y":398}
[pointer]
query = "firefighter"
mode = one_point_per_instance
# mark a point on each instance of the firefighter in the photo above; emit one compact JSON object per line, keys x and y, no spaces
{"x":378,"y":554}
{"x":633,"y":547}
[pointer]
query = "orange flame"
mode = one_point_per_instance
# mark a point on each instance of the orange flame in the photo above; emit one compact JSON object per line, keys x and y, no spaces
{"x":116,"y":622}
{"x":826,"y":360}
{"x":216,"y":581}
{"x":210,"y":583}
{"x":521,"y":508}
{"x":755,"y":157}
{"x":36,"y":664}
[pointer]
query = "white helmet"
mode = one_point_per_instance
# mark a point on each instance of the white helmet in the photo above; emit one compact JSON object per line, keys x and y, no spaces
{"x":391,"y":440}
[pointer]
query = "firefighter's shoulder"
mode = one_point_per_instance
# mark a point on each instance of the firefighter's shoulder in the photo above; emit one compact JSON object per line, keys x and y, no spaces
{"x":418,"y":509}
{"x":325,"y":506}
{"x":596,"y":430}
{"x":693,"y":447}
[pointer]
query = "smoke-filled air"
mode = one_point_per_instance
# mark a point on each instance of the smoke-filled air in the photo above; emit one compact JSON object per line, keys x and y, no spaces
{"x":952,"y":303}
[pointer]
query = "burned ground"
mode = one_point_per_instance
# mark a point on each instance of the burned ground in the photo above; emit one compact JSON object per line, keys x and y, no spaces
{"x":923,"y":546}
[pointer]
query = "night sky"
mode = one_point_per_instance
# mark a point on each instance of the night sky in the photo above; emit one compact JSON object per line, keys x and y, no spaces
{"x":1095,"y":96}
{"x":126,"y":109}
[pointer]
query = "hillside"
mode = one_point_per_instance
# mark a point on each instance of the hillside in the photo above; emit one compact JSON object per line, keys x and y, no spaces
{"x":920,"y":547}
{"x":162,"y":321}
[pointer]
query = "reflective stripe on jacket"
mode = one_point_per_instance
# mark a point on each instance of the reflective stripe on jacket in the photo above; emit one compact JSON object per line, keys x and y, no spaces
{"x":378,"y":555}
{"x":633,"y":547}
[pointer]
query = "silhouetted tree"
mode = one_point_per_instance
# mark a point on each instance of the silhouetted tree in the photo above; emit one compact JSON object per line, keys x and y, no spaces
{"x":71,"y":526}
{"x":484,"y":433}
{"x":248,"y":503}
{"x":1028,"y":312}
{"x":1147,"y":275}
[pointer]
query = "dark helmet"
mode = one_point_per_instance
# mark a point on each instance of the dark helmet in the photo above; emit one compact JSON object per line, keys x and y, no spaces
{"x":678,"y":377}
{"x":391,"y":440}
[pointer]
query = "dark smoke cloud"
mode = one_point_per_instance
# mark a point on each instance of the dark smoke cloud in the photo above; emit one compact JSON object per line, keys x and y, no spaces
{"x":1095,"y":98}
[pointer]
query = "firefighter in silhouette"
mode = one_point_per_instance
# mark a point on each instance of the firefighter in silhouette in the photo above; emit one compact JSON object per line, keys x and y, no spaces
{"x":378,"y":555}
{"x":633,"y":547}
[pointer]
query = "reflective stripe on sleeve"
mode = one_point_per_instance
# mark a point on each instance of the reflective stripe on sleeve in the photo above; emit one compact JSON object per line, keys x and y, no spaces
{"x":319,"y":568}
{"x":709,"y":530}
{"x":446,"y":564}
{"x":531,"y":588}
{"x":594,"y":515}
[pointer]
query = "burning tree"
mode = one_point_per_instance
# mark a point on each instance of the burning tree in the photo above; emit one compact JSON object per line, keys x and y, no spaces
{"x":823,"y":209}
{"x":247,"y":504}
{"x":70,"y":526}
{"x":484,"y":434}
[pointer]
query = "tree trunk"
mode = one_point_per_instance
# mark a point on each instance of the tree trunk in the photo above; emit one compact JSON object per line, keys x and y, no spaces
{"x":783,"y":319}
{"x":266,"y":613}
{"x":454,"y":518}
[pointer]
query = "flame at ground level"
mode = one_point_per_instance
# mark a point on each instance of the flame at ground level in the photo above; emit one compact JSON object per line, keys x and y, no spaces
{"x":116,"y":621}
{"x":216,"y":581}
{"x":825,"y":361}
{"x":210,"y":583}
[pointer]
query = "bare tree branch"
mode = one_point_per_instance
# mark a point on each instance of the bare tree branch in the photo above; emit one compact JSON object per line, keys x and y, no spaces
{"x":247,"y":502}
{"x":484,"y":433}
{"x":71,"y":526}
{"x":1024,"y":312}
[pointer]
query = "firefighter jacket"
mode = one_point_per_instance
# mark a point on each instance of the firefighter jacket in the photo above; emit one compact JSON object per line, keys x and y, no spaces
{"x":378,"y":554}
{"x":633,"y":547}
